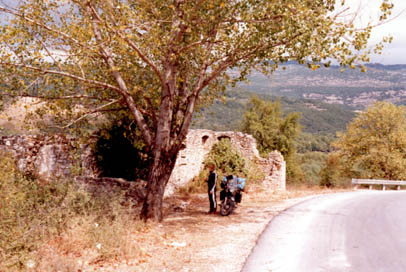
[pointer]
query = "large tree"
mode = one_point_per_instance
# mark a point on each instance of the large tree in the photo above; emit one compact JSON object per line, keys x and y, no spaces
{"x":374,"y":144}
{"x":160,"y":59}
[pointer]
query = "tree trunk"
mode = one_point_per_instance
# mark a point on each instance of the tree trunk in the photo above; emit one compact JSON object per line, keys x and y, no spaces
{"x":158,"y":178}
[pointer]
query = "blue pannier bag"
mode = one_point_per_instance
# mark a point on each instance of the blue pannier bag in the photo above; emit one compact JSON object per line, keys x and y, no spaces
{"x":234,"y":182}
{"x":241,"y":183}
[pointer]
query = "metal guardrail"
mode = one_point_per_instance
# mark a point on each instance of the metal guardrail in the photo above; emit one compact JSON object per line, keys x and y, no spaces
{"x":382,"y":182}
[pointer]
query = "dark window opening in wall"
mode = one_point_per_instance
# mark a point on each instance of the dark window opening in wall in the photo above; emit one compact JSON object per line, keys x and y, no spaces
{"x":223,"y":137}
{"x":204,"y":139}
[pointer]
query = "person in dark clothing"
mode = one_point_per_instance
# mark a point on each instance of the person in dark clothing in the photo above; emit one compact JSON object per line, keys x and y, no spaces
{"x":211,"y":188}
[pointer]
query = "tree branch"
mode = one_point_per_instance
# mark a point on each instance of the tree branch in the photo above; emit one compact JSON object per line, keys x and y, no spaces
{"x":123,"y":90}
{"x":61,"y":73}
{"x":50,"y":55}
{"x":132,"y":45}
{"x":99,"y":109}
{"x":32,"y":21}
{"x":57,"y":98}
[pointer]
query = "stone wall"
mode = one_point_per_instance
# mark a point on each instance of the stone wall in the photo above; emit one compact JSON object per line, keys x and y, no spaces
{"x":47,"y":157}
{"x":50,"y":157}
{"x":199,"y":143}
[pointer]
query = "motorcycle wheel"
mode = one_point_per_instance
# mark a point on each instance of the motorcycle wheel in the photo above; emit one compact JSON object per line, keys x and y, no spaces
{"x":227,"y":207}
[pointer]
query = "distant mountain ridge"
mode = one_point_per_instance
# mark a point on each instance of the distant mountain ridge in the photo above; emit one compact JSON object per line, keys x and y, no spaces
{"x":392,"y":67}
{"x":330,"y":85}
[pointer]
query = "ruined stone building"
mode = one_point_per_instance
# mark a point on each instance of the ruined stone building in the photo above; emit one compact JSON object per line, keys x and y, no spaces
{"x":49,"y":157}
{"x":199,"y":143}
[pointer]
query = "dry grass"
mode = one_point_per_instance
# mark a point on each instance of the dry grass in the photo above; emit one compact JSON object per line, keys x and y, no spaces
{"x":61,"y":226}
{"x":190,"y":240}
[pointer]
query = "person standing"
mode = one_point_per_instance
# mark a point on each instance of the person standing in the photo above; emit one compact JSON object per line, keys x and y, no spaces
{"x":211,"y":188}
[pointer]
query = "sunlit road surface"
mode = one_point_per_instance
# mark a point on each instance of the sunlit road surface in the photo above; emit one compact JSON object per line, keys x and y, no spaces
{"x":362,"y":231}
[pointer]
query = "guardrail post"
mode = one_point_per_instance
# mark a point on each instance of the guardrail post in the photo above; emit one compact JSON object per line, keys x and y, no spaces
{"x":370,"y":187}
{"x":398,"y":188}
{"x":383,"y":187}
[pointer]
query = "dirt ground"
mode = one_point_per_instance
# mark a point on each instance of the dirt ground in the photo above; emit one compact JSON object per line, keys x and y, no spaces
{"x":192,"y":240}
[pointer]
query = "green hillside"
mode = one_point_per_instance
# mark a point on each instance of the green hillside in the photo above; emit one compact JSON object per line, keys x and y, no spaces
{"x":317,"y":117}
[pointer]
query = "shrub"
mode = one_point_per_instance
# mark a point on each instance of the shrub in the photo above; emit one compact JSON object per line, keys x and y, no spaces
{"x":227,"y":159}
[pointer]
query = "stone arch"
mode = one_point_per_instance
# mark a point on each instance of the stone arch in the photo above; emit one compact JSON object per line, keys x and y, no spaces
{"x":221,"y":137}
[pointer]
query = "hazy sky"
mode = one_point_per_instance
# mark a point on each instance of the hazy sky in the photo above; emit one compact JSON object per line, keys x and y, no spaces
{"x":394,"y":53}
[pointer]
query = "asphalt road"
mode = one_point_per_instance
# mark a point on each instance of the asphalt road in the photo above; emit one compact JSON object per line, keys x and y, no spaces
{"x":362,"y":231}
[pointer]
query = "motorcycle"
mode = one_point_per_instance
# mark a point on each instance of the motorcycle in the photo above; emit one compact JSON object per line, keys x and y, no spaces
{"x":231,"y":194}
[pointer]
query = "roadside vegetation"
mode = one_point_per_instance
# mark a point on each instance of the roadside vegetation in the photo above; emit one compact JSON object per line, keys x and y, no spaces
{"x":40,"y":222}
{"x":374,"y":144}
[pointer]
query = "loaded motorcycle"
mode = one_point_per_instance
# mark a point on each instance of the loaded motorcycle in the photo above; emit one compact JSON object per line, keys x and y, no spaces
{"x":231,"y":194}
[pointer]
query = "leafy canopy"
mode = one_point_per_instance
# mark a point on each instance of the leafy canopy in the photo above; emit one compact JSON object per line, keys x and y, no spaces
{"x":111,"y":55}
{"x":374,"y":145}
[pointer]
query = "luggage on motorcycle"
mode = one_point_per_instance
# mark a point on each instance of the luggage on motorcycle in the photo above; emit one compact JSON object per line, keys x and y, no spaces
{"x":233,"y":182}
{"x":241,"y":183}
{"x":223,"y":182}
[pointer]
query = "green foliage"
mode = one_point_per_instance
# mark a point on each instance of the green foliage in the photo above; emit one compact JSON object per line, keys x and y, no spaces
{"x":374,"y":144}
{"x":264,"y":120}
{"x":307,"y":142}
{"x":227,"y":159}
{"x":331,"y":175}
{"x":32,"y":213}
{"x":311,"y":164}
{"x":294,"y":171}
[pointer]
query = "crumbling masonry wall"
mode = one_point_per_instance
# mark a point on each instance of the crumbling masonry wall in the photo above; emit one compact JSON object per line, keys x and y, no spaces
{"x":50,"y":157}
